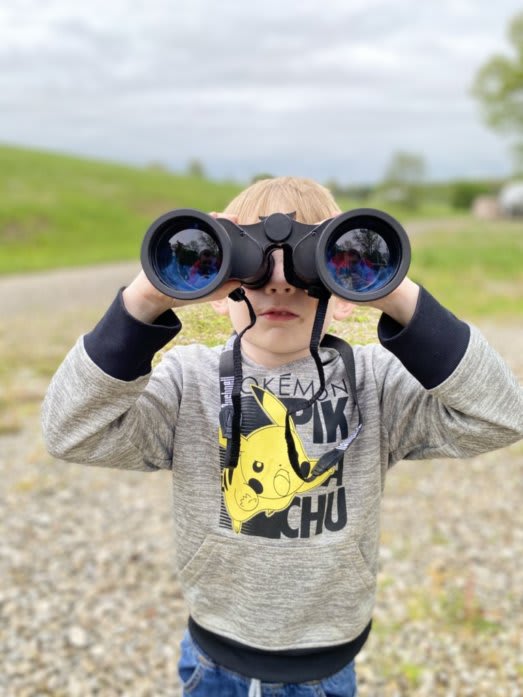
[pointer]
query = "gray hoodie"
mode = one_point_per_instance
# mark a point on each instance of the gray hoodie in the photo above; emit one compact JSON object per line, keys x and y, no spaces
{"x":263,"y":558}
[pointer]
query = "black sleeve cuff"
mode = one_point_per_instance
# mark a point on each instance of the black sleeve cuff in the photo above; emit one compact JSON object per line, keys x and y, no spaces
{"x":122,"y":346}
{"x":431,"y":345}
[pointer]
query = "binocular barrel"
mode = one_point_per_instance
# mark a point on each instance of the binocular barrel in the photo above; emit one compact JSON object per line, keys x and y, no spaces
{"x":361,"y":255}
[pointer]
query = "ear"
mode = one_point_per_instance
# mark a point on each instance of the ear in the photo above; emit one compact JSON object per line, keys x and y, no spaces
{"x":342,"y":309}
{"x":221,"y":306}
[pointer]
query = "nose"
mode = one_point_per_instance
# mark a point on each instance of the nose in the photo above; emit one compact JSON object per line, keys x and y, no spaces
{"x":277,"y":283}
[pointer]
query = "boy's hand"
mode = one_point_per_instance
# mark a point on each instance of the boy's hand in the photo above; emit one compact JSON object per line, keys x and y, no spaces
{"x":145,"y":303}
{"x":401,"y":303}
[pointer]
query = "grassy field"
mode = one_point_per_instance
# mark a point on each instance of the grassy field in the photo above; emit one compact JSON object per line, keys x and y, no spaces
{"x":61,"y":211}
{"x":473,"y":267}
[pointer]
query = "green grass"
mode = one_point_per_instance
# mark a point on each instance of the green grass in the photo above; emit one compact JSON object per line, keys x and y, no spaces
{"x":473,"y":267}
{"x":429,"y":209}
{"x":64,"y":211}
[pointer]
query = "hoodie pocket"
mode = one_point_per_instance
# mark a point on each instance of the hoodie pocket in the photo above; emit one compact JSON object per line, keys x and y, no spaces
{"x":277,"y":597}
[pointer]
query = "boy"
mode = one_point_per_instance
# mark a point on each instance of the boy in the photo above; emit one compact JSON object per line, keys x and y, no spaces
{"x":278,"y":571}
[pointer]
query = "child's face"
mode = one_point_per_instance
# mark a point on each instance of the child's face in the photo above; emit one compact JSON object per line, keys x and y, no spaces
{"x":285,"y":316}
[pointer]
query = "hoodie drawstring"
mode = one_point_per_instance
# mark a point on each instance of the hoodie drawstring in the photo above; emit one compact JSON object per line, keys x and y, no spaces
{"x":255,"y":688}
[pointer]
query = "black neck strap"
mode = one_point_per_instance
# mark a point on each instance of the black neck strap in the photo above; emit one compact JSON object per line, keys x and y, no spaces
{"x":231,"y":378}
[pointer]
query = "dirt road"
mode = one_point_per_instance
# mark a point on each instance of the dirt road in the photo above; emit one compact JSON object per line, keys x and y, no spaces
{"x":63,"y":290}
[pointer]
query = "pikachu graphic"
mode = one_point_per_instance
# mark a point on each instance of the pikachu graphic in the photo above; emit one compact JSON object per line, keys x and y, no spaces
{"x":264,"y":480}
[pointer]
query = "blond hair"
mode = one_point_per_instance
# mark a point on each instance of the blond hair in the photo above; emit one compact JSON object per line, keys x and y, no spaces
{"x":311,"y":201}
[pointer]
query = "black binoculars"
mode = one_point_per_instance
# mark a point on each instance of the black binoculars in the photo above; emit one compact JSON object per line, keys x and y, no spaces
{"x":361,"y":255}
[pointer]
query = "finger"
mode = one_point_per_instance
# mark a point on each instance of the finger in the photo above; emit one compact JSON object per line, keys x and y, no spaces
{"x":229,"y":216}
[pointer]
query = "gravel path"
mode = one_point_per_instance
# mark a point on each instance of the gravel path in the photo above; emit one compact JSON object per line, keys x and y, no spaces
{"x":88,"y":601}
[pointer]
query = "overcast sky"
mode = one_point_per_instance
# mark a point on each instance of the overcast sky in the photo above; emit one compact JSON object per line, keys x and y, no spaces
{"x":323,"y":88}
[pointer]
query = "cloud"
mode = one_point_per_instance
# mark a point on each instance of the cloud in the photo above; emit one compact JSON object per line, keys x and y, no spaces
{"x":278,"y":86}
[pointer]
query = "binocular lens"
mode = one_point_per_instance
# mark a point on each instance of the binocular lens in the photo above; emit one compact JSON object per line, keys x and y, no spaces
{"x":188,"y":255}
{"x":360,"y":260}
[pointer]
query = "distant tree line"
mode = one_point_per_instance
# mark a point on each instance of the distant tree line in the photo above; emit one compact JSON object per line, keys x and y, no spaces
{"x":405,"y":185}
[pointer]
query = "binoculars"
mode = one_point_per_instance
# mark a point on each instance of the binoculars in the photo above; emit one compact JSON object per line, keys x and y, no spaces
{"x":361,"y":255}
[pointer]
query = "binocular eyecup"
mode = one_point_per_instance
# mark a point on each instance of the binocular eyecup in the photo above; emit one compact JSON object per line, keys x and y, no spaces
{"x":361,"y":255}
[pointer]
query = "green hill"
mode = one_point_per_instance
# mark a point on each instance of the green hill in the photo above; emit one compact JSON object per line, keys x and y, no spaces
{"x":57,"y":210}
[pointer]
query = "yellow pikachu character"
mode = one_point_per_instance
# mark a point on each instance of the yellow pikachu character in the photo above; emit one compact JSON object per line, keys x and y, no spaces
{"x":264,"y":480}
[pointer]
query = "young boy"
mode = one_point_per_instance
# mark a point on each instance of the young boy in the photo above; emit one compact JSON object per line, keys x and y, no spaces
{"x":278,"y":571}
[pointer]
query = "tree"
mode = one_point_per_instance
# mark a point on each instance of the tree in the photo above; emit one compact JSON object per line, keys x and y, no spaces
{"x":196,"y":169}
{"x":403,"y":179}
{"x":498,"y":86}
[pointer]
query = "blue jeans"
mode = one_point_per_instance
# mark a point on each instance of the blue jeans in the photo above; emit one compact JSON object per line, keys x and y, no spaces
{"x":201,"y":677}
